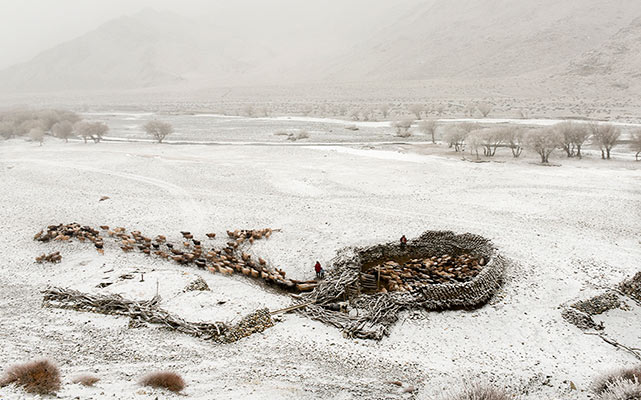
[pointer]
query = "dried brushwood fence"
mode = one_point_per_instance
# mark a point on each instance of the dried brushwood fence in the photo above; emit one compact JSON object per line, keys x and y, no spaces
{"x":372,"y":315}
{"x":150,"y":312}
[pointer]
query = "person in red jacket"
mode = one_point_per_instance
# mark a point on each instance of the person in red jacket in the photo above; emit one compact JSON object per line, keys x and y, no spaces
{"x":319,"y":270}
{"x":403,"y":242}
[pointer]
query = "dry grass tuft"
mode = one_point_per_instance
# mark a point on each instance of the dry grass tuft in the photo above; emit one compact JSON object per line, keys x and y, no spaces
{"x":164,"y":379}
{"x":603,"y":383}
{"x":86,"y":380}
{"x":622,"y":390}
{"x":482,"y":392}
{"x":41,"y":376}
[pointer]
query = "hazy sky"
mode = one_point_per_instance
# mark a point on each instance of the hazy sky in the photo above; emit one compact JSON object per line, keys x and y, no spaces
{"x":30,"y":26}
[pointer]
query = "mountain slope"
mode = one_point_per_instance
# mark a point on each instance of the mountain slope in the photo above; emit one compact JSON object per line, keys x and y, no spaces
{"x":145,"y":50}
{"x":491,"y":38}
{"x":462,"y":41}
{"x":618,"y":59}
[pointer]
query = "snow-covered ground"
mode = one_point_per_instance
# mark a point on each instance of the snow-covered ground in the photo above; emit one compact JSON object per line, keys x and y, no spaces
{"x":569,"y":231}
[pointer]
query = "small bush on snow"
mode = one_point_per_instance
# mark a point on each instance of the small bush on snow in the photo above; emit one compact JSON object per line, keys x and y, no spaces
{"x":164,"y":379}
{"x":481,"y":392}
{"x":622,"y":390}
{"x":604,"y":382}
{"x":41,"y":376}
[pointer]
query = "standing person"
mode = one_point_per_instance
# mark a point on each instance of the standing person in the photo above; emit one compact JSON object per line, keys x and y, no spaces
{"x":319,"y":270}
{"x":403,"y":242}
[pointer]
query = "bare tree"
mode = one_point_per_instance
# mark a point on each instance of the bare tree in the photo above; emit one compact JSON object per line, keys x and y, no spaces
{"x":403,"y":126}
{"x":455,"y":136}
{"x":572,"y":136}
{"x":581,"y":135}
{"x":367,"y":113}
{"x":158,"y":130}
{"x":428,"y":127}
{"x":26,"y":126}
{"x":606,"y":135}
{"x":355,"y":114}
{"x":474,"y":142}
{"x":543,"y":141}
{"x":491,"y":139}
{"x":484,"y":108}
{"x":37,"y":135}
{"x":469,"y":109}
{"x":248,"y":110}
{"x":7,"y":129}
{"x":62,"y":130}
{"x":636,"y":143}
{"x":514,"y":139}
{"x":417,"y":110}
{"x":91,"y":130}
{"x":307,"y":109}
{"x":384,"y":109}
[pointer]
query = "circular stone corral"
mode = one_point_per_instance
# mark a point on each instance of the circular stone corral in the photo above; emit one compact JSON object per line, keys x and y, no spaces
{"x":371,"y":315}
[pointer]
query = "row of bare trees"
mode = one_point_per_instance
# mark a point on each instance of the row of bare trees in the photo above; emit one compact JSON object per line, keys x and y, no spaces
{"x":569,"y":136}
{"x":36,"y":124}
{"x":63,"y":124}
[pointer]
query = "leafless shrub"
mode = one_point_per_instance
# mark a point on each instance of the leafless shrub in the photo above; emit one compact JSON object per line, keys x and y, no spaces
{"x":41,"y":376}
{"x":307,"y":109}
{"x":367,"y":113}
{"x":428,"y":127}
{"x":481,"y":392}
{"x":248,"y":111}
{"x":403,"y":126}
{"x":164,"y":379}
{"x":470,"y":109}
{"x":417,"y":110}
{"x":492,"y":138}
{"x":572,"y":136}
{"x":91,"y":130}
{"x":27,"y":126}
{"x":474,"y":142}
{"x":158,"y":130}
{"x":355,"y":114}
{"x":622,"y":390}
{"x":606,"y":136}
{"x":62,"y":130}
{"x":543,"y":141}
{"x":636,"y":143}
{"x":7,"y":129}
{"x":384,"y":109}
{"x":37,"y":135}
{"x":21,"y":122}
{"x":85,"y":380}
{"x":455,"y":136}
{"x":513,"y":137}
{"x":604,"y":382}
{"x":484,"y":108}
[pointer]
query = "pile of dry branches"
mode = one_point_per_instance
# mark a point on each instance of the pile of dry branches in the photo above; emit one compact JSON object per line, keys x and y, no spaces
{"x":150,"y":312}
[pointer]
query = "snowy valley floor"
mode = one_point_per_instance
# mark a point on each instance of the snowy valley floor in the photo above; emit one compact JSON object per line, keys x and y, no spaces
{"x":570,"y":231}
